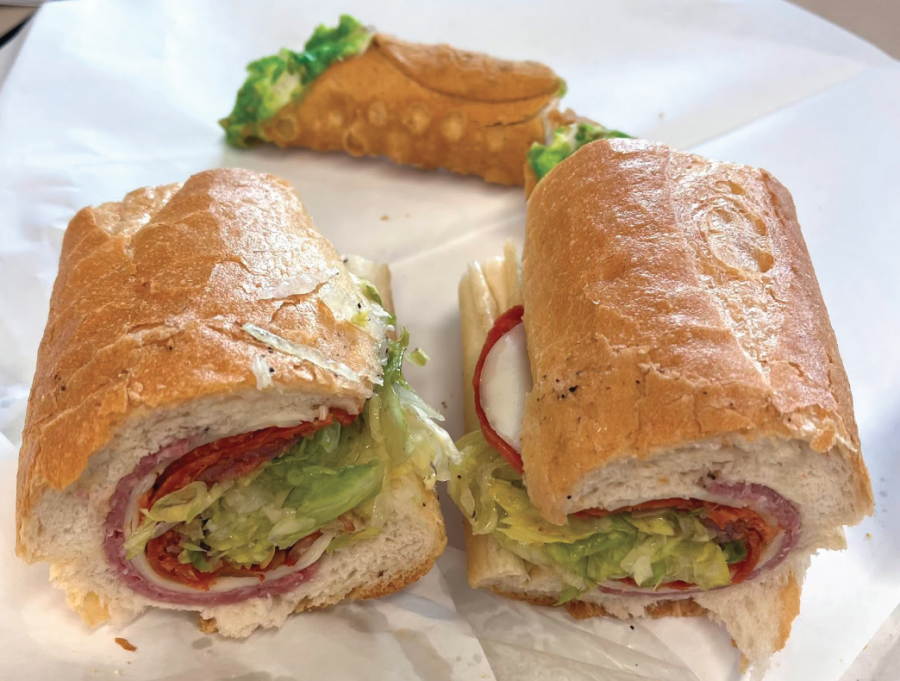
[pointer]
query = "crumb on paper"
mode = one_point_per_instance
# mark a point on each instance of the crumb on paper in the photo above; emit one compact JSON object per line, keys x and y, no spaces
{"x":868,"y":535}
{"x":384,"y":218}
{"x":662,"y":114}
{"x":126,"y":644}
{"x":207,"y":626}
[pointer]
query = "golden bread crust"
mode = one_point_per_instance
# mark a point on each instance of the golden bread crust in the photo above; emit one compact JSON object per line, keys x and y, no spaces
{"x":670,"y":299}
{"x":429,"y":106}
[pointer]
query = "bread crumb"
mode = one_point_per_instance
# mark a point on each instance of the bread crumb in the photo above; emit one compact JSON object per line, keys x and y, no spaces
{"x":384,"y":218}
{"x":126,"y":644}
{"x":868,"y":535}
{"x":207,"y":626}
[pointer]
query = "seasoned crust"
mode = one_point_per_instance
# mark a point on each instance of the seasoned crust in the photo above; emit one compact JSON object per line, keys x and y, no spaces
{"x":147,"y":309}
{"x":684,"y":297}
{"x":430,"y":106}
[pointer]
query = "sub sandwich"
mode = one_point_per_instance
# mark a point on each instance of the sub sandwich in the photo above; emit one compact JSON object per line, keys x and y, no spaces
{"x":370,"y":94}
{"x":660,"y":420}
{"x":219,"y":420}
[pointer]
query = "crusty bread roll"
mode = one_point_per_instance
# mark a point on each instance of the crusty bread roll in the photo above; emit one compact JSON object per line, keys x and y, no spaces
{"x":698,"y":317}
{"x":679,"y":348}
{"x":146,"y":356}
{"x":430,"y":106}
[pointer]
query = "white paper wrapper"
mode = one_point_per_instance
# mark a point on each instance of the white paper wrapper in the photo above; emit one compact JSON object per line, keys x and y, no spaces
{"x":107,"y":97}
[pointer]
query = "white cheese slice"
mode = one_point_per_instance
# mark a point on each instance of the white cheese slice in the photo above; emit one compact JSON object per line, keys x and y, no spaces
{"x":505,"y":381}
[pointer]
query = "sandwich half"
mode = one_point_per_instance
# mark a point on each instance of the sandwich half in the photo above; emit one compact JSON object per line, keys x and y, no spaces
{"x":661,"y":421}
{"x":219,"y":420}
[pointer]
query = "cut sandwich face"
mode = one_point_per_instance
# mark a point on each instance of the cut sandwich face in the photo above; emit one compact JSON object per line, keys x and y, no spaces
{"x":725,"y":534}
{"x":215,"y":523}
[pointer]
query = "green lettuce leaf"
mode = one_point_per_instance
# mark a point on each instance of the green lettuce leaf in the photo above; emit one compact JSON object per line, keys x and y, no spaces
{"x":652,"y":548}
{"x":186,"y":503}
{"x":324,"y":494}
{"x":735,"y":551}
{"x":567,"y":139}
{"x":274,"y":81}
{"x":351,"y":538}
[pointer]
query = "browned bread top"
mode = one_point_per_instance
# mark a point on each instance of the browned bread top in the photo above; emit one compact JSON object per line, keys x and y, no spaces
{"x":669,"y":299}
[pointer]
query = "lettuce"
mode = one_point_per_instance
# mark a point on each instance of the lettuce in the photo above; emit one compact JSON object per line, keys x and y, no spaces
{"x":324,"y":494}
{"x":350,"y":538}
{"x":651,"y":548}
{"x":567,"y":139}
{"x":734,"y":551}
{"x":275,"y":81}
{"x":337,"y":471}
{"x":186,"y":503}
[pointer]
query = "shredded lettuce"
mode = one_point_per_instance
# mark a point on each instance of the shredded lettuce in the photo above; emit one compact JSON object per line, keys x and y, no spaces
{"x":735,"y":551}
{"x":351,"y":538}
{"x":275,"y":81}
{"x":651,"y":548}
{"x":567,"y":139}
{"x":340,"y":472}
{"x":419,"y":357}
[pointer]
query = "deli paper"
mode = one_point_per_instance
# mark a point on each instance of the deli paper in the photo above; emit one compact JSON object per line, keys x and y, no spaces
{"x":108,"y":96}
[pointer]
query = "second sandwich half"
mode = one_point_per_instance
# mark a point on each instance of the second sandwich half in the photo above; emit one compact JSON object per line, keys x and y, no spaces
{"x":219,"y":420}
{"x":661,"y":421}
